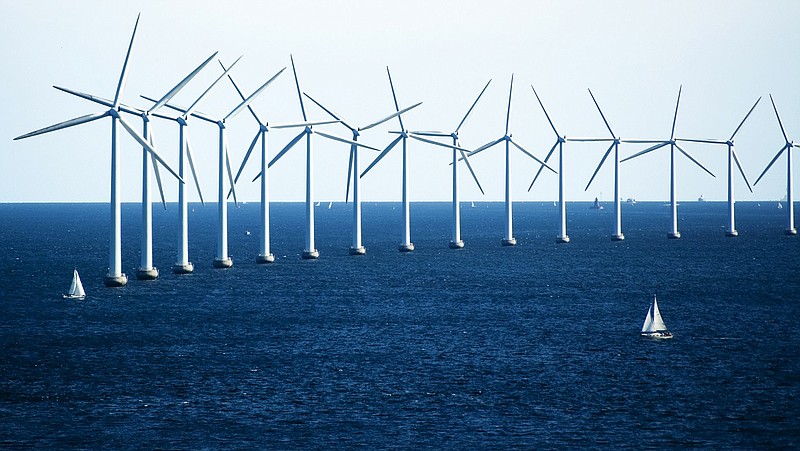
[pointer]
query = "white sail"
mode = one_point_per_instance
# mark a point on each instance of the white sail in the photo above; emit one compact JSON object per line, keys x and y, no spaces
{"x":76,"y":287}
{"x":648,"y":321}
{"x":653,"y":322}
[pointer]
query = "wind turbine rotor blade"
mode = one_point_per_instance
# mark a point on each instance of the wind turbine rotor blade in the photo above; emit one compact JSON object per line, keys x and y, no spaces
{"x":303,"y":124}
{"x":745,"y":118}
{"x":642,"y":141}
{"x":396,"y":106}
{"x":349,"y":173}
{"x":546,"y":159}
{"x":471,"y":171}
{"x":532,"y":156}
{"x":89,"y":97}
{"x":485,"y":146}
{"x":346,"y":141}
{"x":741,"y":171}
{"x":390,"y":117}
{"x":783,"y":131}
{"x":586,"y":140}
{"x":239,"y":91}
{"x":435,"y":143}
{"x":649,"y":149}
{"x":151,"y":138}
{"x":545,"y":115}
{"x":686,"y":154}
{"x":147,"y":146}
{"x":230,"y":173}
{"x":381,"y":155}
{"x":675,"y":118}
{"x":703,"y":141}
{"x":286,"y":148}
{"x":297,"y":84}
{"x":771,"y":163}
{"x":256,"y":177}
{"x":191,"y":166}
{"x":252,"y":97}
{"x":602,"y":160}
{"x":247,"y":156}
{"x":508,"y":112}
{"x":330,"y":112}
{"x":124,"y":75}
{"x":472,"y":107}
{"x":432,"y":133}
{"x":191,"y":108}
{"x":65,"y":124}
{"x":601,"y":114}
{"x":168,"y":96}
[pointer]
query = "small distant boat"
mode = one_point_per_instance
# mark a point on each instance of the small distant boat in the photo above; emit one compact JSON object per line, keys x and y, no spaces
{"x":75,"y":288}
{"x":555,"y":204}
{"x":596,"y":205}
{"x":654,"y":326}
{"x":317,"y":204}
{"x":701,"y":198}
{"x":631,"y":201}
{"x":473,"y":205}
{"x":780,"y":205}
{"x":247,"y":232}
{"x":330,"y":204}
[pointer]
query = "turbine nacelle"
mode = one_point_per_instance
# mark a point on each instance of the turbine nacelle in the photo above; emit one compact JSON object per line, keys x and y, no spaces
{"x":181,"y":120}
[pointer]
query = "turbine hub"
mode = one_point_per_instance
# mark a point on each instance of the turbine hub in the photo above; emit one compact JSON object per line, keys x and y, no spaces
{"x":356,"y":134}
{"x":404,"y":134}
{"x":114,"y":113}
{"x":221,"y":124}
{"x":145,"y":116}
{"x":308,"y":129}
{"x":265,"y":127}
{"x":182,"y":120}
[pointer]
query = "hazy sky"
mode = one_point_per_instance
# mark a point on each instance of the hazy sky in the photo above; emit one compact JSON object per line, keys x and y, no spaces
{"x":633,"y":55}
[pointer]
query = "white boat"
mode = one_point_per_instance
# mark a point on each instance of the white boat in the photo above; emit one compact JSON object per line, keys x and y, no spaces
{"x":330,"y":204}
{"x":701,"y":198}
{"x":780,"y":205}
{"x":596,"y":205}
{"x":654,"y":326}
{"x":473,"y":205}
{"x":75,"y":288}
{"x":317,"y":204}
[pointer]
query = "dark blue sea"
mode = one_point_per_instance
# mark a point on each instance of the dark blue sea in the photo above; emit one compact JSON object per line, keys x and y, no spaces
{"x":535,"y":346}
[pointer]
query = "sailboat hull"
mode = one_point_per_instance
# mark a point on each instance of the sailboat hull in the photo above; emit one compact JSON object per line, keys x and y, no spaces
{"x":657,"y":335}
{"x":72,"y":296}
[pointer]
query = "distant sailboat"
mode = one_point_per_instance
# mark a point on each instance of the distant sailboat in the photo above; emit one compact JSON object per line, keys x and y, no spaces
{"x":654,"y":326}
{"x":596,"y":205}
{"x":473,"y":205}
{"x":75,"y":288}
{"x":701,"y":198}
{"x":317,"y":204}
{"x":780,"y":205}
{"x":330,"y":204}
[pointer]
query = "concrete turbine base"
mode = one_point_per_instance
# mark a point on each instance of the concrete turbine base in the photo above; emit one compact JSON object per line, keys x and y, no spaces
{"x":180,"y":268}
{"x":790,"y":232}
{"x":619,"y":237}
{"x":269,"y":258}
{"x":310,"y":255}
{"x":361,"y":250}
{"x":147,"y":273}
{"x":223,"y":263}
{"x":731,"y":233}
{"x":508,"y":242}
{"x":562,"y":239}
{"x":457,"y":244}
{"x":406,"y":247}
{"x":674,"y":235}
{"x":115,"y":281}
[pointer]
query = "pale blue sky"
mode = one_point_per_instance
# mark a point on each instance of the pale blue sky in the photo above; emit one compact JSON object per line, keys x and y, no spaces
{"x":633,"y":54}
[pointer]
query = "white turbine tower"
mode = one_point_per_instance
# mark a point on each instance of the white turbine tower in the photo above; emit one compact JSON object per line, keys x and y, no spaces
{"x":183,"y":265}
{"x":310,"y":252}
{"x":115,"y":277}
{"x":508,"y":237}
{"x":455,"y":241}
{"x":264,"y":254}
{"x":562,"y":236}
{"x":353,"y":170}
{"x":674,"y":233}
{"x":790,"y":230}
{"x":146,"y":269}
{"x":732,"y":158}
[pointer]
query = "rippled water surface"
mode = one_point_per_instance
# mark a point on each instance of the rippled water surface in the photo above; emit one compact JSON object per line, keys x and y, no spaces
{"x":534,"y":346}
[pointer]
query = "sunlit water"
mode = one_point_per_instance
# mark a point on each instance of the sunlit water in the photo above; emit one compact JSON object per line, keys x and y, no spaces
{"x":535,"y":346}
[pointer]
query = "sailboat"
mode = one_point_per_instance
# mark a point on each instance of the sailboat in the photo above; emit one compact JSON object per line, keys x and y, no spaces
{"x":330,"y":204}
{"x":596,"y":205}
{"x":654,"y":326}
{"x":75,"y":288}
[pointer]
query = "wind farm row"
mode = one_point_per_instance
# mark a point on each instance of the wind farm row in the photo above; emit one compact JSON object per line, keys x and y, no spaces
{"x":227,"y":178}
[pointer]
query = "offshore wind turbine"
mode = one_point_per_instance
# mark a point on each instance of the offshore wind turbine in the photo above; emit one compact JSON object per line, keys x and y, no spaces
{"x":731,"y":230}
{"x":562,"y":236}
{"x":309,"y":252}
{"x":353,"y":170}
{"x":115,"y":277}
{"x":183,"y":265}
{"x":455,"y":242}
{"x":790,"y":230}
{"x":146,"y":269}
{"x":264,"y":254}
{"x":673,"y":233}
{"x":508,"y":237}
{"x":405,"y":245}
